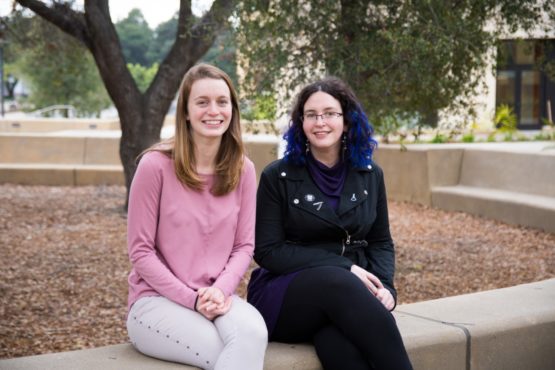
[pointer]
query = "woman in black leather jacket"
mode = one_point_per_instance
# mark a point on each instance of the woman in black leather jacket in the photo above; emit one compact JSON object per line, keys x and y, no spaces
{"x":322,"y":238}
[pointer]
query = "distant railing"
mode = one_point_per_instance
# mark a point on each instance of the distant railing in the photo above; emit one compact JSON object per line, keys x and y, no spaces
{"x":56,"y":111}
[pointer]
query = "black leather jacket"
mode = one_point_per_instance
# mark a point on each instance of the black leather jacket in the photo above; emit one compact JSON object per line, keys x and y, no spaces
{"x":296,"y":229}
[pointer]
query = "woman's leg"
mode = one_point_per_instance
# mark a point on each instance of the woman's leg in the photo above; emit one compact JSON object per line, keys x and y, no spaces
{"x":336,"y":351}
{"x":321,"y":296}
{"x":163,"y":329}
{"x":244,"y":335}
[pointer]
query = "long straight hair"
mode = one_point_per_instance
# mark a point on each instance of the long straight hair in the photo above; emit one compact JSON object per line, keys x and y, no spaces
{"x":181,"y":148}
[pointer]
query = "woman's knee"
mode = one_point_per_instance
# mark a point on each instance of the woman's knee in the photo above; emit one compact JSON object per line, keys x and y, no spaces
{"x":331,"y":280}
{"x":256,"y":330}
{"x":255,"y":327}
{"x":243,"y":322}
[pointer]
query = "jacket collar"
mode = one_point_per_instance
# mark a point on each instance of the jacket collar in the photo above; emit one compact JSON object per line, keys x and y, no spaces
{"x":310,"y":199}
{"x":294,"y":172}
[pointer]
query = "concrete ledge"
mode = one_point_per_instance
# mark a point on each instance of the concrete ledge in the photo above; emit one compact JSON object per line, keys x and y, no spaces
{"x":26,"y":124}
{"x":279,"y":356}
{"x":431,"y":344}
{"x":42,"y":125}
{"x":510,"y":182}
{"x":61,"y":174}
{"x":531,"y":173}
{"x":38,"y":149}
{"x":36,"y":159}
{"x":510,"y":329}
{"x":512,"y":207}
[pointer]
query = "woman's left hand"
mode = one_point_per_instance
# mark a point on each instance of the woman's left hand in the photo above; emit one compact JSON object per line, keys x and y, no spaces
{"x":386,"y":298}
{"x":212,"y":302}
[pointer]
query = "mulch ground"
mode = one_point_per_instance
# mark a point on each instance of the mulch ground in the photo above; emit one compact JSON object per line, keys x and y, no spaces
{"x":64,"y":263}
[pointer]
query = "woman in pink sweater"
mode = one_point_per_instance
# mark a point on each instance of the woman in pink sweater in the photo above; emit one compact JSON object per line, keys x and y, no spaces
{"x":191,"y":235}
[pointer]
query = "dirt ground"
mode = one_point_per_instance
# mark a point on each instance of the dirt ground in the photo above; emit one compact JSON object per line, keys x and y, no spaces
{"x":64,"y":263}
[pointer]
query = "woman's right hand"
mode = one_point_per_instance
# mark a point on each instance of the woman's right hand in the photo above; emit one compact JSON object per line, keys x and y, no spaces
{"x":370,"y":280}
{"x":375,"y":286}
{"x":212,"y":303}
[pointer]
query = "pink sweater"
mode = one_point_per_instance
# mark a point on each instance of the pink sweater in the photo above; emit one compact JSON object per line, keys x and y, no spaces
{"x":180,"y":240}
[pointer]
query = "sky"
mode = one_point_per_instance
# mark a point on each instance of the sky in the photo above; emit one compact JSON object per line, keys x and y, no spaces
{"x":154,"y":11}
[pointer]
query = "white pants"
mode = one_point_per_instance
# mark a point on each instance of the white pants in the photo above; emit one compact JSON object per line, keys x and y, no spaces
{"x":164,"y":329}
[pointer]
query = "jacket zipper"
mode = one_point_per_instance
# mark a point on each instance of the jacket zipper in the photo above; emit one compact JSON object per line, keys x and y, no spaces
{"x":346,"y":241}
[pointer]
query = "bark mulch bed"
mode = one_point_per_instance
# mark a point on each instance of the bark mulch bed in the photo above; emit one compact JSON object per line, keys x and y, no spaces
{"x":64,"y":263}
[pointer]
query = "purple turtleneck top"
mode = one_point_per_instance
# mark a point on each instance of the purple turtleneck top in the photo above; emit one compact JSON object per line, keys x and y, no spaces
{"x":329,"y":180}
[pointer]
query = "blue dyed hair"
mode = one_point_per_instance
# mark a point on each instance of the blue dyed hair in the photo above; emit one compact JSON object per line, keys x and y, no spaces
{"x":360,"y":143}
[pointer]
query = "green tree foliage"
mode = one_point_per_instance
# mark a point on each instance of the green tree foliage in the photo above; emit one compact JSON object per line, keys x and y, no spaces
{"x":153,"y":46}
{"x":403,"y":58}
{"x":58,"y":69}
{"x":163,"y":38}
{"x":263,"y":107}
{"x":223,"y":54}
{"x":136,"y":37}
{"x":143,"y":76}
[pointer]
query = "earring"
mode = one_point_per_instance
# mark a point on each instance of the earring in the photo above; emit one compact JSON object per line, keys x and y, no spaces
{"x":307,"y":144}
{"x":343,"y":145}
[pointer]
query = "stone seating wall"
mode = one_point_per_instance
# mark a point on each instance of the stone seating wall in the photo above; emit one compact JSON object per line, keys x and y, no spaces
{"x":513,"y":183}
{"x":504,"y":329}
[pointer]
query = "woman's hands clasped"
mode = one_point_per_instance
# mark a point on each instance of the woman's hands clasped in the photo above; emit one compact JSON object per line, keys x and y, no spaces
{"x":212,"y":303}
{"x":375,"y":286}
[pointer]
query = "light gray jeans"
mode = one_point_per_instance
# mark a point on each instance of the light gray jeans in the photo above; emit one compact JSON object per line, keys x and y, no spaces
{"x":164,"y":329}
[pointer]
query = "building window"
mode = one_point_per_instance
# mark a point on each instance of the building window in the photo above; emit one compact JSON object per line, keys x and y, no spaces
{"x":505,"y":92}
{"x":522,"y":83}
{"x":530,"y":98}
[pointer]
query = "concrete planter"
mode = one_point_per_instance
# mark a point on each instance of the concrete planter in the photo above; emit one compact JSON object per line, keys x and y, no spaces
{"x":511,"y":182}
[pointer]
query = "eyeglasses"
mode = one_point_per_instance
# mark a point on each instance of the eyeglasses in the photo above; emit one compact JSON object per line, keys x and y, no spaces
{"x":327,"y":116}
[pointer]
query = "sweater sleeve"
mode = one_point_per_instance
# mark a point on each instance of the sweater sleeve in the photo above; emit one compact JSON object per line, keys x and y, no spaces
{"x":243,"y":245}
{"x":142,"y":225}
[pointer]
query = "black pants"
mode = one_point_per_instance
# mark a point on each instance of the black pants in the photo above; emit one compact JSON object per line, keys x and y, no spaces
{"x":350,"y":328}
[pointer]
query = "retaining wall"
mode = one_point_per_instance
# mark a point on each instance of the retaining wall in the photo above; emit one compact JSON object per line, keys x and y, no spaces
{"x":510,"y":182}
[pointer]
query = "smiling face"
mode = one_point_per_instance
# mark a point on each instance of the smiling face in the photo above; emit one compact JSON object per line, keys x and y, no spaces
{"x":209,"y":108}
{"x":324,"y":134}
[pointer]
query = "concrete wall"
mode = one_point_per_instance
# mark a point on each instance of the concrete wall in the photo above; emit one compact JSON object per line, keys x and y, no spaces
{"x":36,"y":159}
{"x":16,"y":125}
{"x":530,"y":173}
{"x":510,"y":182}
{"x":30,"y":125}
{"x":514,"y":182}
{"x":36,"y":148}
{"x":506,"y":329}
{"x":411,"y":174}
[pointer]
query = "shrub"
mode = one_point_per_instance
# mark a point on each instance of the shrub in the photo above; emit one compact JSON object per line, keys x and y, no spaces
{"x":505,"y":119}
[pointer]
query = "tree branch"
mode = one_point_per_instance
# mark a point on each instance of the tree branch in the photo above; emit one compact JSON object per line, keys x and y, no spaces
{"x":192,"y":41}
{"x":61,"y":15}
{"x":106,"y":50}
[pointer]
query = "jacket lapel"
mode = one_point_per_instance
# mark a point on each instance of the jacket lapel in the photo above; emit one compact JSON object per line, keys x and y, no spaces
{"x":309,"y":198}
{"x":355,"y":191}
